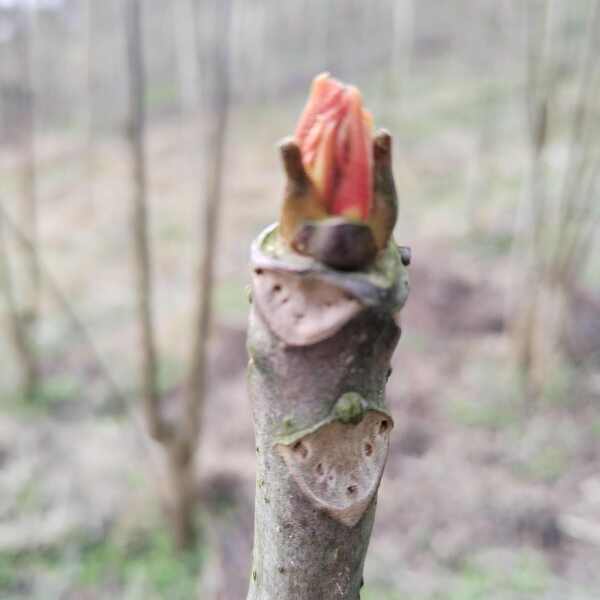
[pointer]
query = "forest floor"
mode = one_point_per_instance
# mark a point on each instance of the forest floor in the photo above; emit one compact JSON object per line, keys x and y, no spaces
{"x":484,"y":495}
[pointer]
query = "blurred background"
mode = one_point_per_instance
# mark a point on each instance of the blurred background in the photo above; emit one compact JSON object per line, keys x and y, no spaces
{"x":138,"y":161}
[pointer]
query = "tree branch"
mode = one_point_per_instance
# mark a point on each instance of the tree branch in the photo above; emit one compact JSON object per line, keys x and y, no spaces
{"x":139,"y":220}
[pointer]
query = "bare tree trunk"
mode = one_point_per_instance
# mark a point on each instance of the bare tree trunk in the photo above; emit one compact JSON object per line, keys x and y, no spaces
{"x":29,"y":182}
{"x":8,"y":287}
{"x":557,"y":223}
{"x":180,"y":439}
{"x":28,"y":311}
{"x":178,"y":503}
{"x":539,"y":86}
{"x":217,"y":98}
{"x":182,"y":499}
{"x":17,"y":327}
{"x":89,"y":157}
{"x":139,"y":218}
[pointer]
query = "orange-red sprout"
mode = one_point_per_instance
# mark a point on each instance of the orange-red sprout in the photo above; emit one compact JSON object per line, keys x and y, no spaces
{"x":335,"y":138}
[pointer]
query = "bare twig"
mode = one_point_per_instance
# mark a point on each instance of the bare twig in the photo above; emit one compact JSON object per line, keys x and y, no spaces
{"x":560,"y":233}
{"x":61,"y":299}
{"x":179,"y":440}
{"x":29,"y":175}
{"x":539,"y":88}
{"x":89,"y":155}
{"x":16,"y":322}
{"x":139,"y":220}
{"x":25,"y":306}
{"x":578,"y":150}
{"x":217,"y":114}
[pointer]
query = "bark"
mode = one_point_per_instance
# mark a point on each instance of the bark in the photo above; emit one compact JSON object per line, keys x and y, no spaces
{"x":179,"y":439}
{"x":11,"y":227}
{"x":139,"y":219}
{"x":16,"y":325}
{"x":177,"y":445}
{"x":88,"y":95}
{"x":182,"y":497}
{"x":559,"y":223}
{"x":29,"y":175}
{"x":28,"y":312}
{"x":321,"y":424}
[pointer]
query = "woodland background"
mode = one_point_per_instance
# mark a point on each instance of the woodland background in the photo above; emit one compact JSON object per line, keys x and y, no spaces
{"x":137,"y":162}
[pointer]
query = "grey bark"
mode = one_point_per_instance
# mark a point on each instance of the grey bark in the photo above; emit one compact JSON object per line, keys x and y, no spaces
{"x":184,"y":451}
{"x":217,"y":116}
{"x":179,"y":454}
{"x":29,"y":175}
{"x":28,"y":306}
{"x":555,"y":227}
{"x":88,"y":95}
{"x":15,"y":322}
{"x":139,"y":218}
{"x":303,"y":550}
